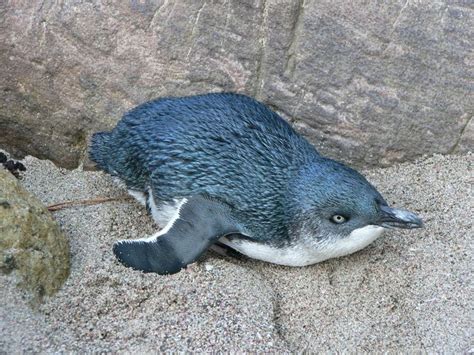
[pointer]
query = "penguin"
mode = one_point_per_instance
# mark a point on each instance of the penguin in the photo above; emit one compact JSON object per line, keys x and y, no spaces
{"x":224,"y":169}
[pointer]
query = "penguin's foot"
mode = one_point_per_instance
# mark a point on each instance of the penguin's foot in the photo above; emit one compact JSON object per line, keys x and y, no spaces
{"x":225,"y":250}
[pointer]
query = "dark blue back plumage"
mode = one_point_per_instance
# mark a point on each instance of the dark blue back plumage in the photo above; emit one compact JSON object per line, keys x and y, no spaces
{"x":238,"y":168}
{"x":228,"y":146}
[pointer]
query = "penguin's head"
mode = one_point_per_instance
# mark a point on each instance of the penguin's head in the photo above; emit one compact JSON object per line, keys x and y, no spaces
{"x":333,"y":201}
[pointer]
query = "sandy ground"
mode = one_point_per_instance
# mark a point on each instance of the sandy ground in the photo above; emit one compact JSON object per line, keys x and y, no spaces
{"x":408,"y":291}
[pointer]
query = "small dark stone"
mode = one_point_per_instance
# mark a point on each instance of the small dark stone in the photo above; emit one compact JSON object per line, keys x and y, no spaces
{"x":20,"y":166}
{"x":40,"y":291}
{"x":14,"y":167}
{"x":9,"y":165}
{"x":5,"y":204}
{"x":9,"y":264}
{"x":3,"y":158}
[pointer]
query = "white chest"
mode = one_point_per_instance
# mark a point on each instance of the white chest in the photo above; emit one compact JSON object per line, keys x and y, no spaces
{"x":307,"y":253}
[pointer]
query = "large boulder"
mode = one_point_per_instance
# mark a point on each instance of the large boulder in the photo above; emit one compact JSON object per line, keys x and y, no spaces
{"x":367,"y":82}
{"x":31,"y":243}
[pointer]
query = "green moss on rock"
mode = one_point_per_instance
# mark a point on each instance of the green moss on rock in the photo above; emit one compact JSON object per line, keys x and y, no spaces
{"x":31,"y":243}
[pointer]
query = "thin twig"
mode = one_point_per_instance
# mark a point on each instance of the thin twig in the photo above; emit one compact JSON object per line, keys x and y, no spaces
{"x":94,"y":201}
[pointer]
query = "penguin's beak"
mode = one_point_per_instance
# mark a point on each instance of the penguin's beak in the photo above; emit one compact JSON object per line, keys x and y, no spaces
{"x":396,"y":218}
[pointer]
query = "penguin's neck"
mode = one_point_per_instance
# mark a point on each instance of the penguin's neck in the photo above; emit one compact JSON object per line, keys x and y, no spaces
{"x":300,"y":190}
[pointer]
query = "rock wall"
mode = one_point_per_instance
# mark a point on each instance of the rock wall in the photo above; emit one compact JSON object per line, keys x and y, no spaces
{"x":370,"y":83}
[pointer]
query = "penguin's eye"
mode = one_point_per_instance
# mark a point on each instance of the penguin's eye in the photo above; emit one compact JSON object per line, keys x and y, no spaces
{"x":338,"y":219}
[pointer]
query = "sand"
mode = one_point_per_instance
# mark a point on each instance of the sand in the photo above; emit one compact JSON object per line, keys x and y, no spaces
{"x":408,"y":291}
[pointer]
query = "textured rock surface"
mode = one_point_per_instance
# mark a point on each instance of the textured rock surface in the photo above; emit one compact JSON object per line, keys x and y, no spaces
{"x":31,"y":243}
{"x":369,"y":82}
{"x":408,"y":292}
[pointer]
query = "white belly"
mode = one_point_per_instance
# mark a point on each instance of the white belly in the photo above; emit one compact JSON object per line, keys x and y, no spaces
{"x":307,"y":253}
{"x":162,"y":213}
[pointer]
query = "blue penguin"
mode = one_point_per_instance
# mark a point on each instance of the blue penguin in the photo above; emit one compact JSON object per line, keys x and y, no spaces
{"x":224,"y":168}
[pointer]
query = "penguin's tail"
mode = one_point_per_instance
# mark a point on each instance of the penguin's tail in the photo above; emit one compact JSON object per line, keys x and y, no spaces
{"x":99,"y":149}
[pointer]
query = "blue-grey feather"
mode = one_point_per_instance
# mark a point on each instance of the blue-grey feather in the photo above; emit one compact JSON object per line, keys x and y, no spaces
{"x":230,"y":147}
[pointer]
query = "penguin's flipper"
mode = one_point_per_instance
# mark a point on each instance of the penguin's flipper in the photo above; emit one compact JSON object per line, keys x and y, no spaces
{"x":199,"y":222}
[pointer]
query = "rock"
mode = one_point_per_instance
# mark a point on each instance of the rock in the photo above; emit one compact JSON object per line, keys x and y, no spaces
{"x":369,"y":83}
{"x":31,"y":244}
